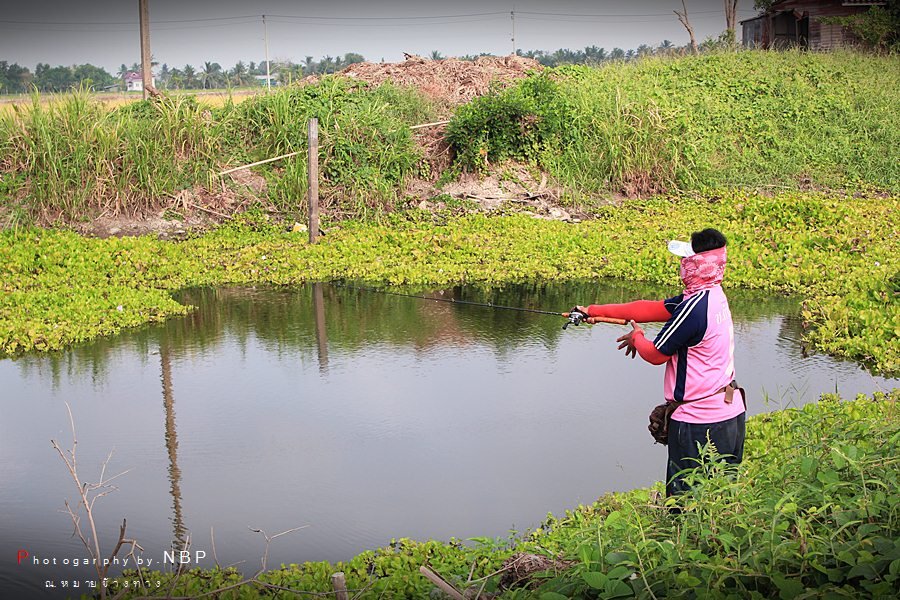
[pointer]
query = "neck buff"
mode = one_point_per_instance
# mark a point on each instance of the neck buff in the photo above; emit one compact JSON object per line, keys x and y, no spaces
{"x":703,"y":270}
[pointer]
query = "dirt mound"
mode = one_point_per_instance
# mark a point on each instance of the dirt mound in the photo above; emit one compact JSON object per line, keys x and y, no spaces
{"x":451,"y":80}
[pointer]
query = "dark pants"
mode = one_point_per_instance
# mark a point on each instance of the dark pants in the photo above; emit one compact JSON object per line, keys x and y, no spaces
{"x":728,"y":437}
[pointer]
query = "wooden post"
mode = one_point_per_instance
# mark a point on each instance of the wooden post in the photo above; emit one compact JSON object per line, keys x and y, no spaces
{"x":313,"y":173}
{"x":340,"y":586}
{"x":146,"y":66}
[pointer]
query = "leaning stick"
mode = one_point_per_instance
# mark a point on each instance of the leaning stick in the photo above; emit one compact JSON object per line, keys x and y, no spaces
{"x":441,"y":583}
{"x":260,"y":162}
{"x":429,"y":124}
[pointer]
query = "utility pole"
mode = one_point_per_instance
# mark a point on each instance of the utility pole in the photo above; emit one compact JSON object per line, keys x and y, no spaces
{"x":266,"y":38}
{"x":512,"y":17}
{"x":146,"y":66}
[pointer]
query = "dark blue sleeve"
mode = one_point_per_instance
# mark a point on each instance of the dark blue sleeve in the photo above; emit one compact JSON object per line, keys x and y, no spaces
{"x":686,"y":327}
{"x":672,"y":303}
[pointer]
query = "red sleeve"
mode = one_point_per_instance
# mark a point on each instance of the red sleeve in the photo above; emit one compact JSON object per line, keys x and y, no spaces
{"x":647,"y":350}
{"x":640,"y":311}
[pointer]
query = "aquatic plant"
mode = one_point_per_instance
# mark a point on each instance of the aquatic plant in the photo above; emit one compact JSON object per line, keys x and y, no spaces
{"x":837,"y":254}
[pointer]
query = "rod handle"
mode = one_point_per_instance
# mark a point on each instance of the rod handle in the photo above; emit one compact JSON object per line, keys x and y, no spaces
{"x":612,"y":320}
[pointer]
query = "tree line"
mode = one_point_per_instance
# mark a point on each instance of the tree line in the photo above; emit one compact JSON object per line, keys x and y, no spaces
{"x":15,"y":79}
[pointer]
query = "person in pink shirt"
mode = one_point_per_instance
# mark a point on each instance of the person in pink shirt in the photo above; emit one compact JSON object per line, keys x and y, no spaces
{"x":696,"y":345}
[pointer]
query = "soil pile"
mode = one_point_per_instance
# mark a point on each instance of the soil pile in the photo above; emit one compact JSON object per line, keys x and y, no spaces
{"x":450,"y":80}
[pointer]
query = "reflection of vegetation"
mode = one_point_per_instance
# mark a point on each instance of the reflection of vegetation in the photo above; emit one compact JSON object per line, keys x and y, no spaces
{"x":794,"y":520}
{"x":286,"y":320}
{"x":59,"y":288}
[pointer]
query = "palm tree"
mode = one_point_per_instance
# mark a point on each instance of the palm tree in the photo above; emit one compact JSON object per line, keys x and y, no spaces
{"x":190,"y":77}
{"x":123,"y":69}
{"x":211,"y":74}
{"x":239,"y":74}
{"x":436,"y":55}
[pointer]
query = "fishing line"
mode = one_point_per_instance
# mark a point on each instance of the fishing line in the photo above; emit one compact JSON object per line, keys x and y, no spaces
{"x":451,"y":300}
{"x":574,"y":317}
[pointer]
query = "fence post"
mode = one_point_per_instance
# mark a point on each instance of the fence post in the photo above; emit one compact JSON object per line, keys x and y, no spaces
{"x":313,"y":173}
{"x":340,"y":586}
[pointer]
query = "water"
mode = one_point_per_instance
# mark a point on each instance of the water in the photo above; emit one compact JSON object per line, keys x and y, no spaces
{"x":358,"y":416}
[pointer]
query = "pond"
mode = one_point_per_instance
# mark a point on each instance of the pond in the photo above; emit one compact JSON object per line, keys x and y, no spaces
{"x":357,"y":415}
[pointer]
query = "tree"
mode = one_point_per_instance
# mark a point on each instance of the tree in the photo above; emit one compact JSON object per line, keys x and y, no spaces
{"x":878,"y":28}
{"x":190,"y":77}
{"x":211,"y":74}
{"x":239,"y":74}
{"x":683,"y":17}
{"x":165,"y":75}
{"x":731,"y":20}
{"x":436,"y":55}
{"x":351,"y":58}
{"x":14,"y":78}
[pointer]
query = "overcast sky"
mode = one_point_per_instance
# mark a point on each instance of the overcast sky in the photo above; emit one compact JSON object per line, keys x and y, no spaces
{"x":105,"y":32}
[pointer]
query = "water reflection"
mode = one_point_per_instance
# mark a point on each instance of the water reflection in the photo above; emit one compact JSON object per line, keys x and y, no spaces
{"x":321,"y":333}
{"x":171,"y":436}
{"x":368,"y":416}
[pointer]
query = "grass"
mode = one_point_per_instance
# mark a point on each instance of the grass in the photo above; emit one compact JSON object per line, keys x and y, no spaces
{"x":753,"y":118}
{"x":212,"y":98}
{"x":74,"y":158}
{"x":785,"y":120}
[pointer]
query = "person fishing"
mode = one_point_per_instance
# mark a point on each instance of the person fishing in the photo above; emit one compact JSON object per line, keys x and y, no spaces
{"x":703,"y":403}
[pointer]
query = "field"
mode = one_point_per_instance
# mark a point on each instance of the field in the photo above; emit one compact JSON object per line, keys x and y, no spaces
{"x":110,"y":100}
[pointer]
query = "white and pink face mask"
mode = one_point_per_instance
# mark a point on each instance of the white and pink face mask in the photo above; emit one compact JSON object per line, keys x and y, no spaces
{"x":703,"y":270}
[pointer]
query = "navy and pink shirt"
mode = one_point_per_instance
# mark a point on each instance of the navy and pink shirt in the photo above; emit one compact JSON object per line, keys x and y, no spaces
{"x":697,"y":346}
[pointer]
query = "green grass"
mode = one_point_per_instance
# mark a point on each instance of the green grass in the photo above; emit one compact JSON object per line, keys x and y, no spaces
{"x":837,"y":254}
{"x":753,"y":118}
{"x":74,"y":158}
{"x":737,"y":119}
{"x":812,"y":513}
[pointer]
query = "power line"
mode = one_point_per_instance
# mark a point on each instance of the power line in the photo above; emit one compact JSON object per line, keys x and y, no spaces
{"x":301,"y":17}
{"x":503,"y":16}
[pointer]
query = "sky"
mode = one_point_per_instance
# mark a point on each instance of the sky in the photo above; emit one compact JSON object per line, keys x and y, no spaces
{"x":105,"y":32}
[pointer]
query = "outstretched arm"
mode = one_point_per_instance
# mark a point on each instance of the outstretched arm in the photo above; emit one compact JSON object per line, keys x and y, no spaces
{"x":639,"y":311}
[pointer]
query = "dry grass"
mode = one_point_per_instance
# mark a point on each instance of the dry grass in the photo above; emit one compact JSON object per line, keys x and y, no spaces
{"x":211,"y":98}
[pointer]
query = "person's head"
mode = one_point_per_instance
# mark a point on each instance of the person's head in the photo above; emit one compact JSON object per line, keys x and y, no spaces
{"x":702,"y":260}
{"x":708,"y":239}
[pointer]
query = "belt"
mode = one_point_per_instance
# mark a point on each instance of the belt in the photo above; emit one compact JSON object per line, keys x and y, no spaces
{"x":729,"y":393}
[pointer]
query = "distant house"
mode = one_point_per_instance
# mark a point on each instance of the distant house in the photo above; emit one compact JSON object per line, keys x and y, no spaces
{"x":134,"y":81}
{"x":796,"y":23}
{"x":262,"y":79}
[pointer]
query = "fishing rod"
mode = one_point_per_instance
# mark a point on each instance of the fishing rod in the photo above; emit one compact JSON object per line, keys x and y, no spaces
{"x":573,"y":317}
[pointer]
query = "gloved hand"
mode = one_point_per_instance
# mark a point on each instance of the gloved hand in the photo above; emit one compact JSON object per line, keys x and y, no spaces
{"x":576,"y":316}
{"x":628,"y":340}
{"x":581,"y":309}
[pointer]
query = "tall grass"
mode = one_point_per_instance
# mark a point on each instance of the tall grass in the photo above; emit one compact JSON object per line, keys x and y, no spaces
{"x":750,"y":118}
{"x":366,"y":147}
{"x":73,"y":157}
